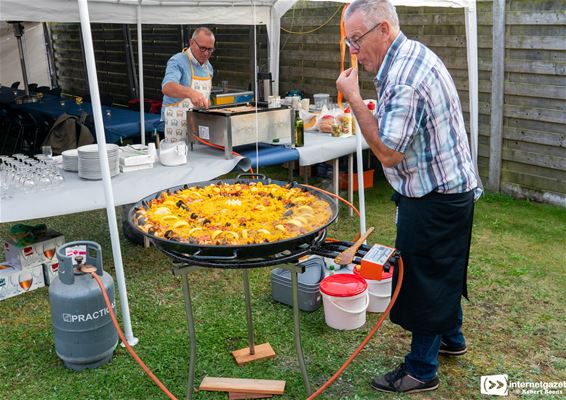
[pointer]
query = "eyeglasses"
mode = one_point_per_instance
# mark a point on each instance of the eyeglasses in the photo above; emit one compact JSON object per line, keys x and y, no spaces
{"x":204,"y":49}
{"x":355,"y":44}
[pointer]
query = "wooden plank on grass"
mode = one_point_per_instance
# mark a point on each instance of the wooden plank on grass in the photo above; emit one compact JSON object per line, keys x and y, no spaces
{"x":237,"y":385}
{"x":262,"y":351}
{"x":239,"y":396}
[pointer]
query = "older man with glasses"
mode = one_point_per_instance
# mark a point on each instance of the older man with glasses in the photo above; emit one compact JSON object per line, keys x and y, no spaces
{"x":418,"y":135}
{"x":188,"y":81}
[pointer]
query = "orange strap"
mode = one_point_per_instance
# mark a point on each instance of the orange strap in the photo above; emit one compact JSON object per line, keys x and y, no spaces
{"x":353,"y":58}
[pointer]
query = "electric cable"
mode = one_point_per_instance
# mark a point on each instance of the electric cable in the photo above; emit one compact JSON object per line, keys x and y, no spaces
{"x":315,"y":29}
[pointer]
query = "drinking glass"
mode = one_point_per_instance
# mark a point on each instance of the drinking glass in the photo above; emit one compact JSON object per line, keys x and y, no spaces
{"x":47,"y":151}
{"x":49,"y":252}
{"x":26,"y":280}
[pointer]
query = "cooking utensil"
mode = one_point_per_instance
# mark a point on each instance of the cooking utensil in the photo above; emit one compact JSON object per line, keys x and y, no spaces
{"x":234,"y":252}
{"x":347,"y":256}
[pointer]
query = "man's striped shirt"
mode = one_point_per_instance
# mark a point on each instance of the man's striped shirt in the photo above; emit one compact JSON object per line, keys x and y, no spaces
{"x":419,"y":114}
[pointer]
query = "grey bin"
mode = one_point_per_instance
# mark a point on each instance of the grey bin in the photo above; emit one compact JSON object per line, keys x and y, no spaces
{"x":310,"y":298}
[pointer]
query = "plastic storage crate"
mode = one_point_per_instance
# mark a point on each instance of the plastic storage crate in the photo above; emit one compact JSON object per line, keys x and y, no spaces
{"x":310,"y":298}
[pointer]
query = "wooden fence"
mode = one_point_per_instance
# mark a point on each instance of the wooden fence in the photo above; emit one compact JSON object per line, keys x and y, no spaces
{"x":532,"y":155}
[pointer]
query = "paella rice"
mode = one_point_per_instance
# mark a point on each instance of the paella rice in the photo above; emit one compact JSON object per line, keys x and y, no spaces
{"x":233,"y":214}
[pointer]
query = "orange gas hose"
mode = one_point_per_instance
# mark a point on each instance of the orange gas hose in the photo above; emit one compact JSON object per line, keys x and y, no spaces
{"x":123,"y":338}
{"x":327,"y":383}
{"x":335,"y":196}
{"x":217,"y":146}
{"x":367,"y":338}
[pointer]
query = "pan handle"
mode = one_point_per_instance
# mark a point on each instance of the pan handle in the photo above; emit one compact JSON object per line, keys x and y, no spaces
{"x":197,"y":256}
{"x":249,"y":175}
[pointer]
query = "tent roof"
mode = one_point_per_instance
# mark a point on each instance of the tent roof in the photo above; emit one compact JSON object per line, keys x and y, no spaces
{"x":172,"y":12}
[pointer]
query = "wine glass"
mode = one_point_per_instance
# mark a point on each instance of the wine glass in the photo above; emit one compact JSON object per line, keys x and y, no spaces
{"x":49,"y":251}
{"x":25,"y":280}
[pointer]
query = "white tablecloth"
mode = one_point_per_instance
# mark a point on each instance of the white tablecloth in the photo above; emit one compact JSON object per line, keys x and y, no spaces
{"x":77,"y":195}
{"x":321,"y":147}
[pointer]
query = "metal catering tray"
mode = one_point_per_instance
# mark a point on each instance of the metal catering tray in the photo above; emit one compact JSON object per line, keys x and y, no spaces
{"x":235,"y":124}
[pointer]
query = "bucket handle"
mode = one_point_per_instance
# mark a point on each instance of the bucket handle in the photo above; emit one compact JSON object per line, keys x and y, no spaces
{"x":364,"y":308}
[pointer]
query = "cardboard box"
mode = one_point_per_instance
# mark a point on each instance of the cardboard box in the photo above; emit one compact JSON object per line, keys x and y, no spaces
{"x":15,"y":281}
{"x":41,"y":251}
{"x":368,"y":180}
{"x":50,"y":271}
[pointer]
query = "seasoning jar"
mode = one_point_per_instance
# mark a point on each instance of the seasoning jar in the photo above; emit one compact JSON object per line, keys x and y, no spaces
{"x":336,"y":130}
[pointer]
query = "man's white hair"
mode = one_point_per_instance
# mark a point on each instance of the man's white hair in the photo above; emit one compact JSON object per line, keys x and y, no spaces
{"x":206,"y":31}
{"x":374,"y":11}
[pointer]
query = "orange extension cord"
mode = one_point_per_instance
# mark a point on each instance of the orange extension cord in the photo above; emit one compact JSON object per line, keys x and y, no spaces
{"x":326,"y":384}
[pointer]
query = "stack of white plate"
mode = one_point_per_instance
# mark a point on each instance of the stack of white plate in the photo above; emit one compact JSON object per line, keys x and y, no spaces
{"x":89,"y":164}
{"x":70,"y":160}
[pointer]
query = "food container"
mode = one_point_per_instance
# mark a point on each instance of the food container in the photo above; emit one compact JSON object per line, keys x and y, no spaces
{"x":336,"y":130}
{"x":345,"y":298}
{"x":321,"y":100}
{"x":173,"y":153}
{"x":379,"y":291}
{"x":309,"y":282}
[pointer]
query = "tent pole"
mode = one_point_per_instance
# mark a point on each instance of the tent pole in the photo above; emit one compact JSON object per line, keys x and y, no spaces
{"x":497,"y":95}
{"x":108,"y":193}
{"x":472,"y":41}
{"x":140,"y":74}
{"x":274,"y":35}
{"x":360,"y":166}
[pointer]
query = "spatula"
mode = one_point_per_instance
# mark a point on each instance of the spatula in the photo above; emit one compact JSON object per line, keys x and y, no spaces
{"x":347,"y":256}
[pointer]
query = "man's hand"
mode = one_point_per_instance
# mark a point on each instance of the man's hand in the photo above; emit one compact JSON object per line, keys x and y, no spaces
{"x":173,"y":89}
{"x":198,"y":100}
{"x":347,"y":83}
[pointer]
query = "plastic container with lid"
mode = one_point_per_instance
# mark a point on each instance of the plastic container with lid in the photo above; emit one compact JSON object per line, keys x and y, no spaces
{"x":308,"y":285}
{"x":321,"y":100}
{"x":345,"y":299}
{"x":379,"y":290}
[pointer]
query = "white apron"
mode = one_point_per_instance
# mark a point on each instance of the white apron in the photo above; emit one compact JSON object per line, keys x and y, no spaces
{"x":176,"y":113}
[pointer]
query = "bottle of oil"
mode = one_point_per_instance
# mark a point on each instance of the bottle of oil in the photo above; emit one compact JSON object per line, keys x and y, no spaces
{"x":299,"y":130}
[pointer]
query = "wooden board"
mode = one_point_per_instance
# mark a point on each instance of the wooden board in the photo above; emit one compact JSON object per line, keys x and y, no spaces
{"x":237,"y":385}
{"x":262,"y":351}
{"x":238,"y":396}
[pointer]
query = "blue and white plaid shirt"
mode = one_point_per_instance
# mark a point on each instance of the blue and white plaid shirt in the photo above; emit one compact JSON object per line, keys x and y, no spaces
{"x":419,"y":114}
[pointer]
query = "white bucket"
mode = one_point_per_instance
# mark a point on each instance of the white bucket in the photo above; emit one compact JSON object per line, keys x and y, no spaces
{"x":379,"y":294}
{"x":345,"y":313}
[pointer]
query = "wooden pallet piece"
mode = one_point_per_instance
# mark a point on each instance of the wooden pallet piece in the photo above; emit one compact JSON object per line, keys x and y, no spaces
{"x":262,"y":351}
{"x":238,"y":385}
{"x":240,"y":396}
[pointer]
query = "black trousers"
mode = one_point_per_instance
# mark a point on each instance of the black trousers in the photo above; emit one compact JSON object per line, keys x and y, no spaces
{"x":433,"y":236}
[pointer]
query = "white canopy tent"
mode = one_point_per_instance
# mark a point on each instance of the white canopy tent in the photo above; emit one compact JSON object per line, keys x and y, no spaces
{"x":177,"y":12}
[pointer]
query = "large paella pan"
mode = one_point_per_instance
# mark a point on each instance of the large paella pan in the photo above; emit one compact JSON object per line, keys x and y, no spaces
{"x":249,"y":216}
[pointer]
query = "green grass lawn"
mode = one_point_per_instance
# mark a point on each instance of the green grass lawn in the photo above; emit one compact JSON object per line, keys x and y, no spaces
{"x":515,"y":322}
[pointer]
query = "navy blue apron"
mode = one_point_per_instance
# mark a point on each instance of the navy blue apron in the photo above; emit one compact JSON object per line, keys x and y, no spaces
{"x":433,"y":235}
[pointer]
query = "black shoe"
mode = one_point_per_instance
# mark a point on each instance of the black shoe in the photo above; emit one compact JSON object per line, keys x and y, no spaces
{"x":399,"y":381}
{"x":452,"y":350}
